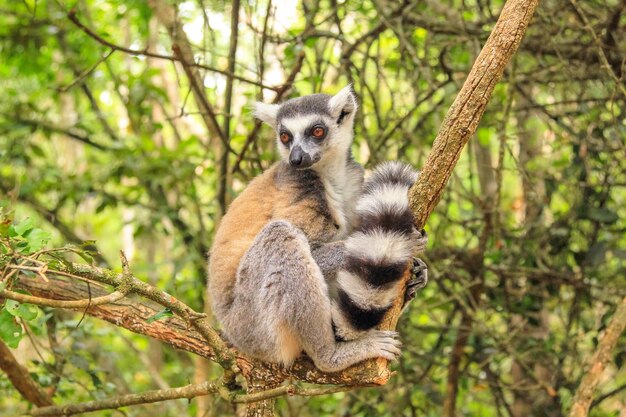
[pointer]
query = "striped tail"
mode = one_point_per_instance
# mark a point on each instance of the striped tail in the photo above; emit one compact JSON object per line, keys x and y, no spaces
{"x":378,"y":252}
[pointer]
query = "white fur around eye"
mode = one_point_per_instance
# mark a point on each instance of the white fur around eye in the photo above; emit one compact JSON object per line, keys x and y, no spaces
{"x":297,"y":125}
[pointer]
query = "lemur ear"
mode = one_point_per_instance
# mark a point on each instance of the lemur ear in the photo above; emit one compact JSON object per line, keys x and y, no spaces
{"x":266,"y":112}
{"x":343,"y":103}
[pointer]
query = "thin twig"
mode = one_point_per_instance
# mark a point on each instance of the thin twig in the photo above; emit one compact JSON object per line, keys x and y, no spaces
{"x":596,"y":40}
{"x":79,"y":79}
{"x":188,"y":391}
{"x":145,"y":52}
{"x":71,"y":304}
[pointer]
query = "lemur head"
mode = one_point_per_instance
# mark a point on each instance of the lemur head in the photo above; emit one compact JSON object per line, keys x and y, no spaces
{"x":312,"y":129}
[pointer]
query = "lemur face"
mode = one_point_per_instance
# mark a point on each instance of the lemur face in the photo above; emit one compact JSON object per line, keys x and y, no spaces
{"x":312,"y":128}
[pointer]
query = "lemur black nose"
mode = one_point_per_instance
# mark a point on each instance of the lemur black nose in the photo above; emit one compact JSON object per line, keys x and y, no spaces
{"x":298,"y":158}
{"x":295,"y":161}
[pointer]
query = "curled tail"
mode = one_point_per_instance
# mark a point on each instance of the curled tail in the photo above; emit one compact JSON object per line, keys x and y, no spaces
{"x":378,"y":252}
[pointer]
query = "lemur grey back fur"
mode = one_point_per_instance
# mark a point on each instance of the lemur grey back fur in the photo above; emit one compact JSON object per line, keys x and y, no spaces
{"x":307,"y":258}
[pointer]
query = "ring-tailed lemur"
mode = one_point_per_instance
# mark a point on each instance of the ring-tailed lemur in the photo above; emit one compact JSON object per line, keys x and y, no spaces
{"x":307,"y":258}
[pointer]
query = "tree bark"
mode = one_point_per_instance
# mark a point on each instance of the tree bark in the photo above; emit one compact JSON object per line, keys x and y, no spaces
{"x":21,"y":379}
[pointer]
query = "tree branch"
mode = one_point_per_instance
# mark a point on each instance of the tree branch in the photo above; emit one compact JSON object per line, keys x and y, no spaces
{"x":62,"y":131}
{"x":188,"y":391}
{"x":130,"y":313}
{"x":580,"y":14}
{"x":179,"y":332}
{"x":598,"y":362}
{"x":126,"y":282}
{"x":228,"y":101}
{"x":21,"y":379}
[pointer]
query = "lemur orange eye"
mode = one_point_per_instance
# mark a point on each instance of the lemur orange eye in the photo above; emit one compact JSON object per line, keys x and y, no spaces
{"x":284,"y":138}
{"x":318,"y":132}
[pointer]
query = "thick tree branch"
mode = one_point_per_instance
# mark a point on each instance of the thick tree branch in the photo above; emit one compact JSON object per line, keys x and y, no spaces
{"x":126,"y":282}
{"x":21,"y":379}
{"x":131,"y":312}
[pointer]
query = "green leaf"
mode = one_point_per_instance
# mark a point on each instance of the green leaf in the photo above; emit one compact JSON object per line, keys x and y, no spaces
{"x":10,"y":330}
{"x":485,"y":134}
{"x":11,"y":307}
{"x":37,"y":239}
{"x":26,"y":311}
{"x":310,"y":42}
{"x":160,"y":315}
{"x":5,"y":225}
{"x":23,"y":227}
{"x":603,"y":215}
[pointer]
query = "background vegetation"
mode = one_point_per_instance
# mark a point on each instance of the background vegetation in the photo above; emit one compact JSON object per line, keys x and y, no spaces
{"x":112,"y":138}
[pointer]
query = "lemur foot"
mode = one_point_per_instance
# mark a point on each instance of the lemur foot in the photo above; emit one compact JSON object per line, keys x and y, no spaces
{"x":418,"y":280}
{"x":384,"y":344}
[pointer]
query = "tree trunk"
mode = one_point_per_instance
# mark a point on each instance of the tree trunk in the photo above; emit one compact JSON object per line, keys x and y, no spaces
{"x":258,"y":379}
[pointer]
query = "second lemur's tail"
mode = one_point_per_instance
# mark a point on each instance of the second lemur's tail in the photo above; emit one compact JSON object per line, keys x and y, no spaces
{"x":378,"y":252}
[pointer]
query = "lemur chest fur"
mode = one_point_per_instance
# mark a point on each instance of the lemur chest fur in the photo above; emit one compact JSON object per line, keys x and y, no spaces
{"x":342,"y":180}
{"x":315,"y":205}
{"x":335,"y":193}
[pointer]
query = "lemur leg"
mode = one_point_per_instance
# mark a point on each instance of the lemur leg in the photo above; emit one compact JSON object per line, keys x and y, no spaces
{"x":330,"y":258}
{"x":283,"y":306}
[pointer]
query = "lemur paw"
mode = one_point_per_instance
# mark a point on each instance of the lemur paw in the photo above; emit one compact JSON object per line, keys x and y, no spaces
{"x":384,"y":344}
{"x":421,"y":240}
{"x":418,"y":280}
